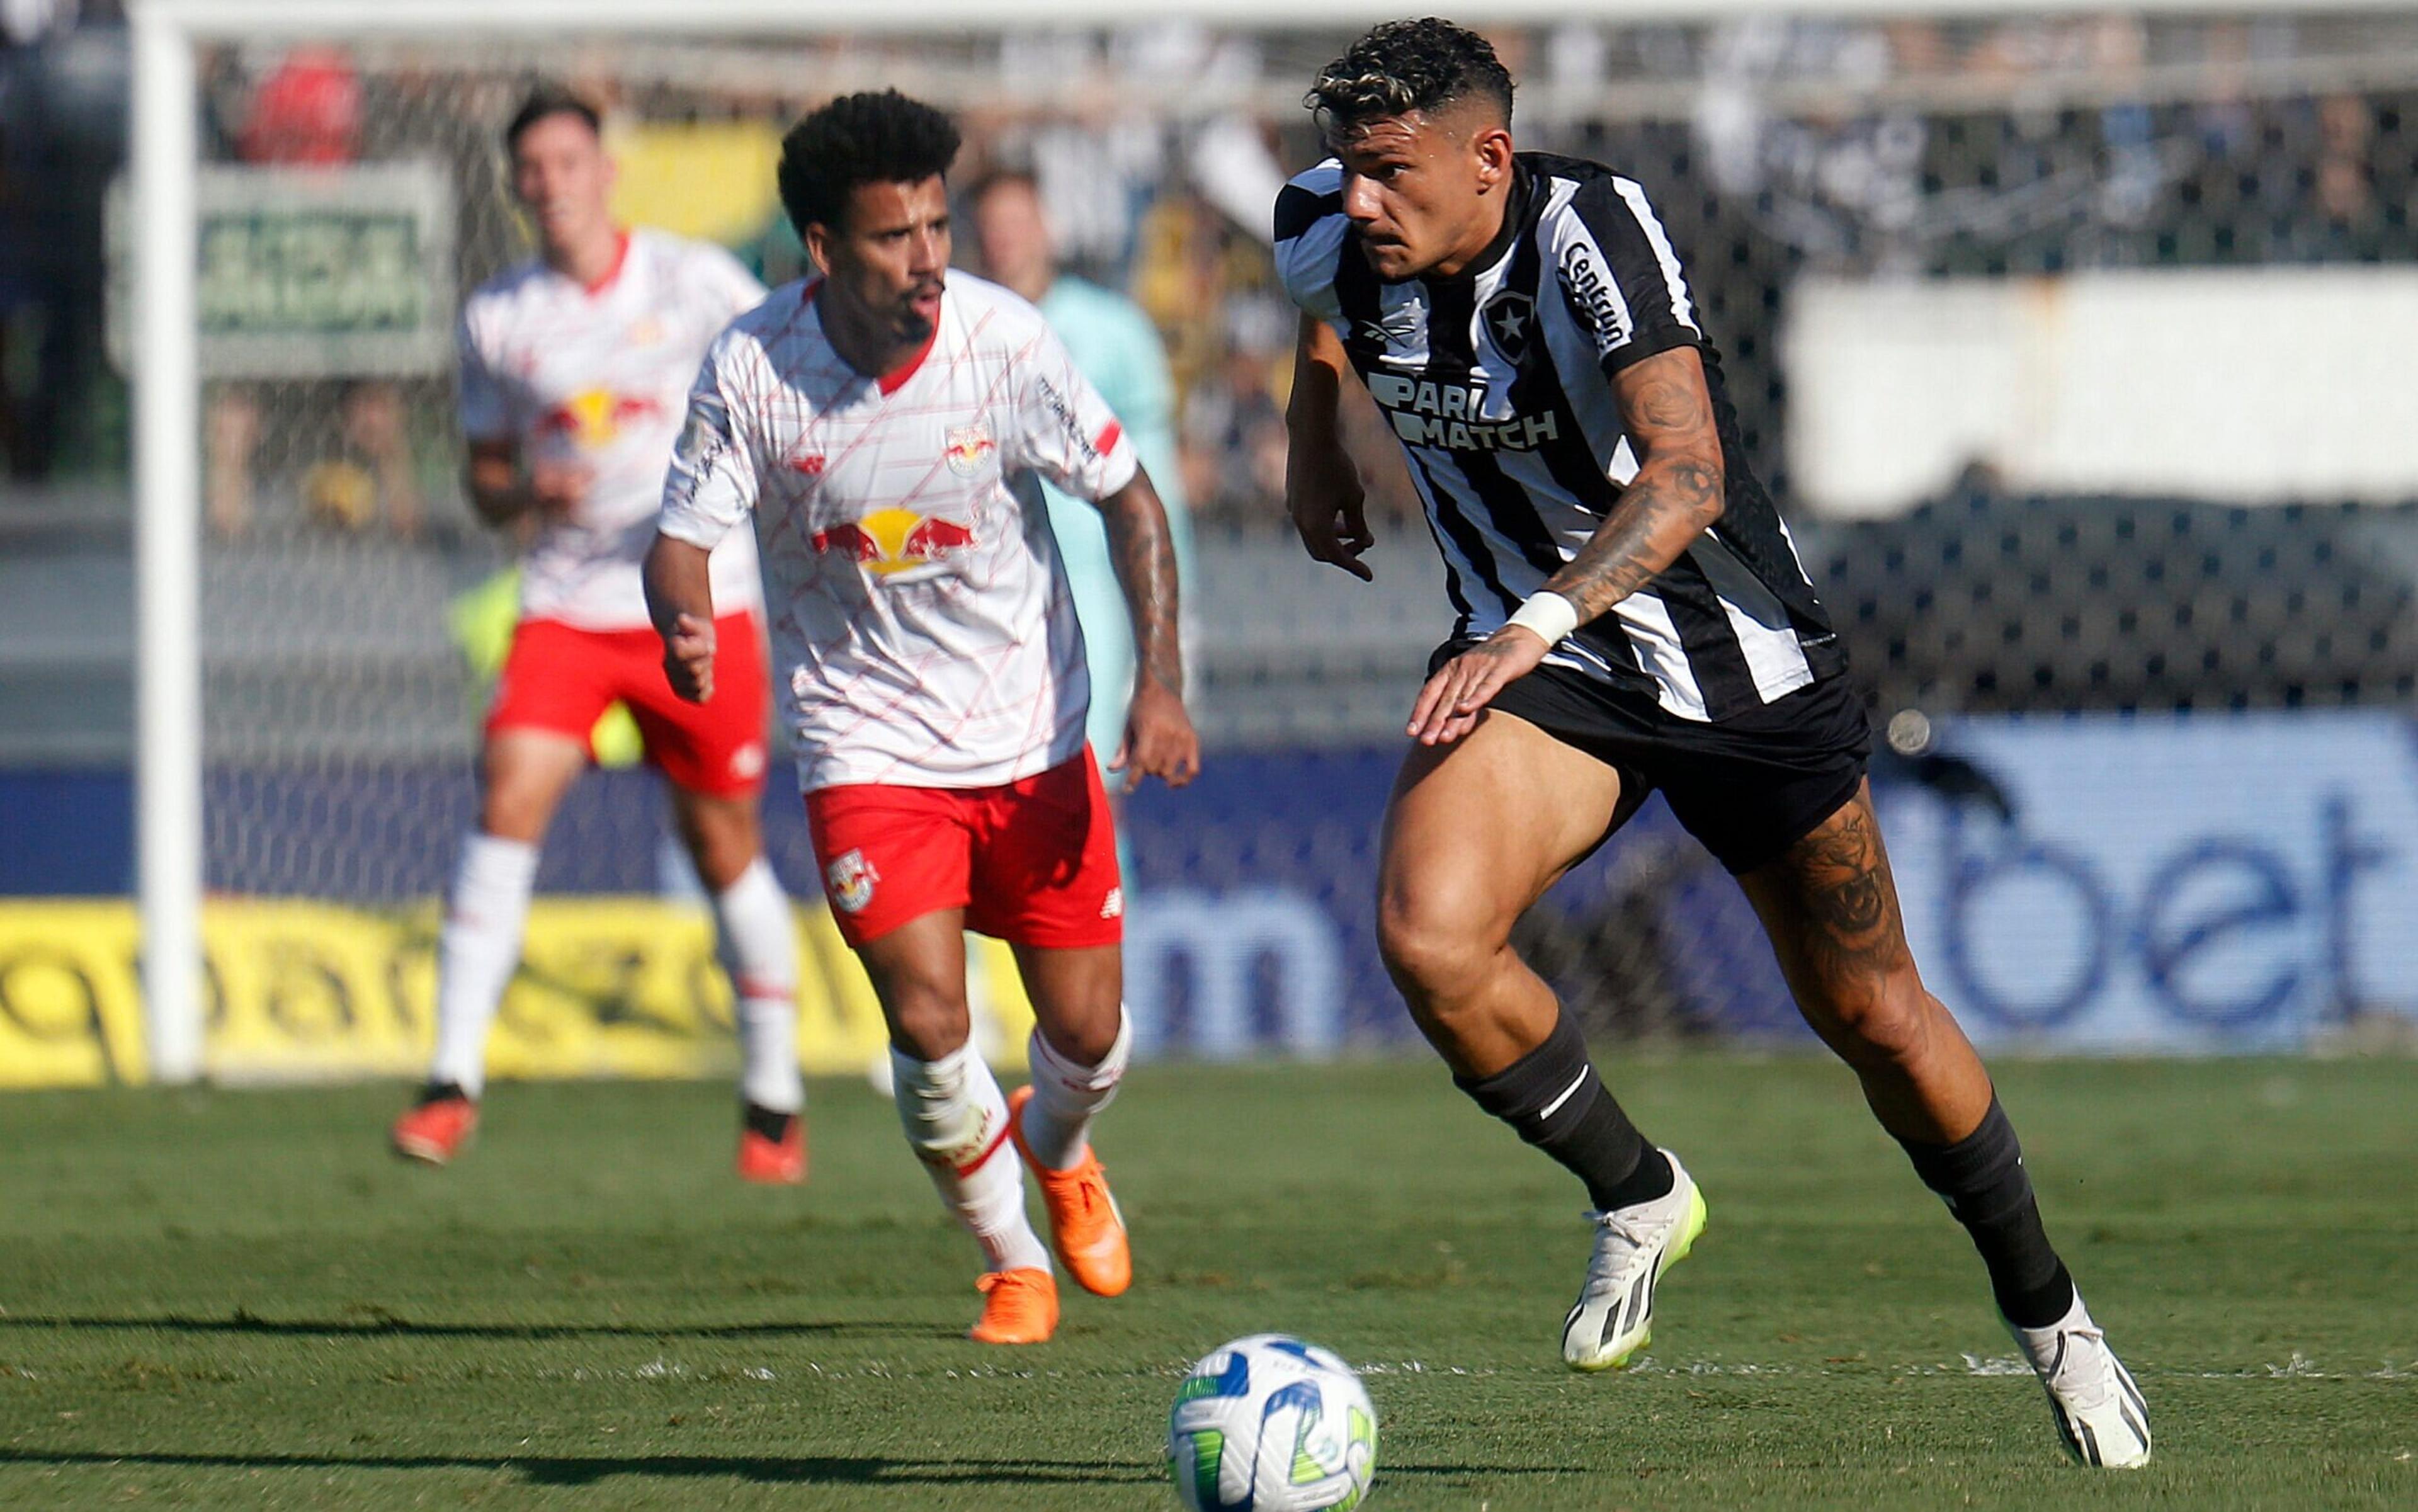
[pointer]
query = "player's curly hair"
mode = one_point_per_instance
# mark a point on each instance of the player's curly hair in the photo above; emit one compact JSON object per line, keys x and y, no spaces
{"x":1406,"y":66}
{"x":867,"y":138}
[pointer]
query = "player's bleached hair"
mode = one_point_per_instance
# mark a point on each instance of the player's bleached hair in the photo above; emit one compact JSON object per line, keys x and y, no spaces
{"x":867,"y":138}
{"x":1406,"y":66}
{"x":543,"y":102}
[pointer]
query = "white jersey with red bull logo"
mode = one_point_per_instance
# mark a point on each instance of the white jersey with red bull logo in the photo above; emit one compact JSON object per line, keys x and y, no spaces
{"x":598,"y":377}
{"x":919,"y":612}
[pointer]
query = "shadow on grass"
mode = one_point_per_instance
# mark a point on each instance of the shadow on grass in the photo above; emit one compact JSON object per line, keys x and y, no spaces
{"x":376,"y":1323}
{"x":810,"y":1470}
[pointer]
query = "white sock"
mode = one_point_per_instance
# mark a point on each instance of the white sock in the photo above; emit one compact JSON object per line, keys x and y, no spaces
{"x":759,"y":951}
{"x":478,"y":952}
{"x":1066,"y":1096}
{"x":956,"y":1121}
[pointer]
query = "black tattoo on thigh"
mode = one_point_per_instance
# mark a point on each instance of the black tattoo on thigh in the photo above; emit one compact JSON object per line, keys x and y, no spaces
{"x":1847,"y":900}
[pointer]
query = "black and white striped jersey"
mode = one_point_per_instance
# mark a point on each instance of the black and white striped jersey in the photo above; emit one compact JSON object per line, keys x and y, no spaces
{"x":1498,"y":384}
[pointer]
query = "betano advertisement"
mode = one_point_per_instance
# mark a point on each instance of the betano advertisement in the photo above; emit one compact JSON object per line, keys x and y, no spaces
{"x":299,"y":990}
{"x":2162,"y":885}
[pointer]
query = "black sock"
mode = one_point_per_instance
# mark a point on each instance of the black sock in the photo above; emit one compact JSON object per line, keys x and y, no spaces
{"x":759,"y":1120}
{"x":1552,"y":1098}
{"x":1982,"y":1178}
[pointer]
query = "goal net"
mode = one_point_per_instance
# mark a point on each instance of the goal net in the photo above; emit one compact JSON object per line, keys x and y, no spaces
{"x":352,"y":611}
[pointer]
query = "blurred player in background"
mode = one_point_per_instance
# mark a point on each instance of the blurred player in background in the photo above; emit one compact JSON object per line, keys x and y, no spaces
{"x":1115,"y":346}
{"x":1632,"y":615}
{"x":574,"y":371}
{"x":886,"y":425}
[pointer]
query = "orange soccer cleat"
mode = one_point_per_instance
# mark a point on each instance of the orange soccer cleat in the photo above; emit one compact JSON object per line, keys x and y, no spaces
{"x":1085,"y":1227}
{"x":434,"y":1129}
{"x":771,"y":1146}
{"x":1020,"y":1308}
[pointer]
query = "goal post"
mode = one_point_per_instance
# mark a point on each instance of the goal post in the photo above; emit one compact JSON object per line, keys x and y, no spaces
{"x":167,"y":537}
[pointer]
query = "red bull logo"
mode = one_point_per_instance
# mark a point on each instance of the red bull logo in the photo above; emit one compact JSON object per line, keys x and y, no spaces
{"x":888,"y":542}
{"x":967,"y":445}
{"x":596,"y":418}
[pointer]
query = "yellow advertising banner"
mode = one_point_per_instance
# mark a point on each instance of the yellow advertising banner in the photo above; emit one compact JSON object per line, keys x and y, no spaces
{"x":303,"y":990}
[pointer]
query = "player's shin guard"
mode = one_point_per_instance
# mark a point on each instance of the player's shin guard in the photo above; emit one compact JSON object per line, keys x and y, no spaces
{"x":957,"y":1121}
{"x":478,"y":952}
{"x":1982,"y":1180}
{"x":1552,"y":1098}
{"x":1068,"y":1096}
{"x":759,"y":948}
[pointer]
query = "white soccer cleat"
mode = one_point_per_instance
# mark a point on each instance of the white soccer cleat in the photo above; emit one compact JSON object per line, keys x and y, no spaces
{"x":1614,"y":1316}
{"x":2100,"y":1414}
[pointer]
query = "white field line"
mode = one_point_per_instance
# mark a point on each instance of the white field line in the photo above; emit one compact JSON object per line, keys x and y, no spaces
{"x":2298,"y":1366}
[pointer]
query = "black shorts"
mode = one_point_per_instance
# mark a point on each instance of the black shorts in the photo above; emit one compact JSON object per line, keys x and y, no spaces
{"x":1747,"y":788}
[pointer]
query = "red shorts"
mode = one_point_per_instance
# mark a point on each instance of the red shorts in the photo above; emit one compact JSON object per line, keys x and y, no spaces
{"x":562,"y":678}
{"x":1033,"y":863}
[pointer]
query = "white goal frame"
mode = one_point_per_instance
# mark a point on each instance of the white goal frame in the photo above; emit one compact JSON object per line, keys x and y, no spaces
{"x":166,"y":373}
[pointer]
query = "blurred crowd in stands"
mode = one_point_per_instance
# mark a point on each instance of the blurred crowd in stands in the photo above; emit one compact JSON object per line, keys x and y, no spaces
{"x":62,"y":107}
{"x":1773,"y":147}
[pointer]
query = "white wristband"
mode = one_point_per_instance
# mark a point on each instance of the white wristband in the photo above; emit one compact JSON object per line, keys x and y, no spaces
{"x":1550,"y":616}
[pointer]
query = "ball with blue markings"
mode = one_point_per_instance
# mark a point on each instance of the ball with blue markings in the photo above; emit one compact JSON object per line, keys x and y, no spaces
{"x":1272,"y":1424}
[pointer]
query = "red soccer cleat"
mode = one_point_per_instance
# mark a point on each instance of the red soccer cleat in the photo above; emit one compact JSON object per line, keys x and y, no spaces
{"x":436,"y":1128}
{"x":772,"y":1148}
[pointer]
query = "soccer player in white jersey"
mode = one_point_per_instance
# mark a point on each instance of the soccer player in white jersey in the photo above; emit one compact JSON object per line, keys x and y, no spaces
{"x":1632,"y":616}
{"x":887,"y":426}
{"x":574,"y":373}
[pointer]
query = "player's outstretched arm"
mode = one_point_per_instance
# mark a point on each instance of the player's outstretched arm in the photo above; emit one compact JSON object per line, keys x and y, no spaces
{"x":1159,"y":740}
{"x":679,"y":601}
{"x":1677,"y":493}
{"x":1322,"y":490}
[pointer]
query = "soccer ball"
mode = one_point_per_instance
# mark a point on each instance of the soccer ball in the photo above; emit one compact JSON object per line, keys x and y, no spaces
{"x":1271,"y":1423}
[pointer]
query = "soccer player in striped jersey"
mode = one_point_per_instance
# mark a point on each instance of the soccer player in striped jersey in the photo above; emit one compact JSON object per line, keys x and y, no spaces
{"x":1632,"y":615}
{"x":884,"y":429}
{"x":574,"y":372}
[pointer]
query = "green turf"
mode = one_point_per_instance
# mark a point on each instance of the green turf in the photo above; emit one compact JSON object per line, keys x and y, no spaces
{"x":238,"y":1299}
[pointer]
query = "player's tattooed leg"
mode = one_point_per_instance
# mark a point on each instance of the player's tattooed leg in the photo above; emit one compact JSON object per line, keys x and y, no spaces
{"x":1832,"y":911}
{"x":1831,"y":907}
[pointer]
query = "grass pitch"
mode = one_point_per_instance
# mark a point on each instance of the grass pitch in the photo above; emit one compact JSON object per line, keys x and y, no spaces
{"x":239,"y":1299}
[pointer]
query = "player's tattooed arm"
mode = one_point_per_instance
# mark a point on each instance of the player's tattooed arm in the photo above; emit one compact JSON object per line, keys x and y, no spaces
{"x":1159,"y":740}
{"x":1668,"y":414}
{"x":1144,"y":554}
{"x":1677,"y":492}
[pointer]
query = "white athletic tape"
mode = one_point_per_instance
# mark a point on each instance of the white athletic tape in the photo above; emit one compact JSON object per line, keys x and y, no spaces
{"x":1548,"y":615}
